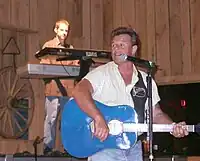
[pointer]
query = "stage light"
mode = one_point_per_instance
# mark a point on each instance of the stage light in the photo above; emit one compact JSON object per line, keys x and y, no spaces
{"x":183,"y":103}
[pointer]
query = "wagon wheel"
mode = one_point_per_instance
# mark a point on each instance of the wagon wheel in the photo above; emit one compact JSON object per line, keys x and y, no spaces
{"x":16,"y":103}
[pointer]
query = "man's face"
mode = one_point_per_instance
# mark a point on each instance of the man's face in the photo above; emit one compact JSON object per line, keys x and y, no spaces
{"x":62,"y":31}
{"x":121,"y":44}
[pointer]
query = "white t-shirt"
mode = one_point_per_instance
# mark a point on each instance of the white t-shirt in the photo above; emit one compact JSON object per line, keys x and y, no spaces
{"x":110,"y":89}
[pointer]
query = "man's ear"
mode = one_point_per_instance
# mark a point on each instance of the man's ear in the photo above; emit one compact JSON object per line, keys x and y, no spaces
{"x":134,"y":49}
{"x":55,"y":30}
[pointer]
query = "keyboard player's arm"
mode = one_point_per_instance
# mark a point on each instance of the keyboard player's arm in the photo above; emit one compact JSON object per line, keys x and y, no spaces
{"x":71,"y":46}
{"x":46,"y":60}
{"x":50,"y":60}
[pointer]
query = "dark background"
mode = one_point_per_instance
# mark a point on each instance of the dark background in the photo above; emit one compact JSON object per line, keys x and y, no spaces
{"x":188,"y":110}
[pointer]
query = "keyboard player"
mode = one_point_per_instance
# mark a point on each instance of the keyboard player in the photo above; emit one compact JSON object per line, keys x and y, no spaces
{"x":54,"y":98}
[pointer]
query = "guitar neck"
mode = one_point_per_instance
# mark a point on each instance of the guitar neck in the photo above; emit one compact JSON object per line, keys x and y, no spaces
{"x":130,"y":127}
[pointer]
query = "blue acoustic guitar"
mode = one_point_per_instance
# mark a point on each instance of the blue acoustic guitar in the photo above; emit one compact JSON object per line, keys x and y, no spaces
{"x":77,"y":128}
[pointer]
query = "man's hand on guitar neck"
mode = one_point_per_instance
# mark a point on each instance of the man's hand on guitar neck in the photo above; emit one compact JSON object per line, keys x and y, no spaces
{"x":101,"y":129}
{"x":179,"y":130}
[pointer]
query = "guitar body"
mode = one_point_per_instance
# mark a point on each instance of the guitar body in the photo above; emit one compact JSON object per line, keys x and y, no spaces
{"x":76,"y":131}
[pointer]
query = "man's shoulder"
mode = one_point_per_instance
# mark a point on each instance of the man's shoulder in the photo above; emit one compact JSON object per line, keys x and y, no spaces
{"x":49,"y":43}
{"x":102,"y":69}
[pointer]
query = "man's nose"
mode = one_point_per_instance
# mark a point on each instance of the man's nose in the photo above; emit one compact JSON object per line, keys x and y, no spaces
{"x":118,"y":47}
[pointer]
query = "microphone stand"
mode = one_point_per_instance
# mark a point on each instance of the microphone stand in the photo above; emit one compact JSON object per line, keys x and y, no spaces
{"x":149,"y":114}
{"x":151,"y":67}
{"x":37,"y":141}
{"x":85,"y":64}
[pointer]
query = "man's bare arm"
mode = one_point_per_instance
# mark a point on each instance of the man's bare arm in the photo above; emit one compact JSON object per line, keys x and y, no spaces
{"x":83,"y":96}
{"x":82,"y":93}
{"x":160,"y":117}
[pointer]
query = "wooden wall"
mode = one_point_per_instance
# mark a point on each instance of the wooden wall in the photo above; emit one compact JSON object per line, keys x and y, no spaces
{"x":169,"y":31}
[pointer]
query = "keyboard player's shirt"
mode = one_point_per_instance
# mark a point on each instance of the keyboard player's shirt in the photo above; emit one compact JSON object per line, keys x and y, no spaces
{"x":51,"y":88}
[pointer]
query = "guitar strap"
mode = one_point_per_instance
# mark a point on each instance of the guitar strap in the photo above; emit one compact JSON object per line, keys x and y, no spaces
{"x":139,"y":96}
{"x":62,"y":89}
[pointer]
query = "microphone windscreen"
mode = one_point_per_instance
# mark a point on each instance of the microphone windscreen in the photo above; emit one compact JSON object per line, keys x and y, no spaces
{"x":123,"y":57}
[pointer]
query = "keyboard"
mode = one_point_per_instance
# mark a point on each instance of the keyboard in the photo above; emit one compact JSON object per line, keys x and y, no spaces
{"x":73,"y":54}
{"x":38,"y":71}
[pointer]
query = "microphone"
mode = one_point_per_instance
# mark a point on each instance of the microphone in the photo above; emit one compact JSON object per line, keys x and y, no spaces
{"x":139,"y":62}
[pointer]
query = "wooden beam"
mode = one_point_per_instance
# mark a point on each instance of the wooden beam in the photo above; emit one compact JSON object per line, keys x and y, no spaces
{"x":151,"y":31}
{"x":195,"y":32}
{"x":86,"y":26}
{"x":162,"y":37}
{"x":17,"y":28}
{"x":178,"y":79}
{"x":96,"y":24}
{"x":186,"y":36}
{"x":175,"y":38}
